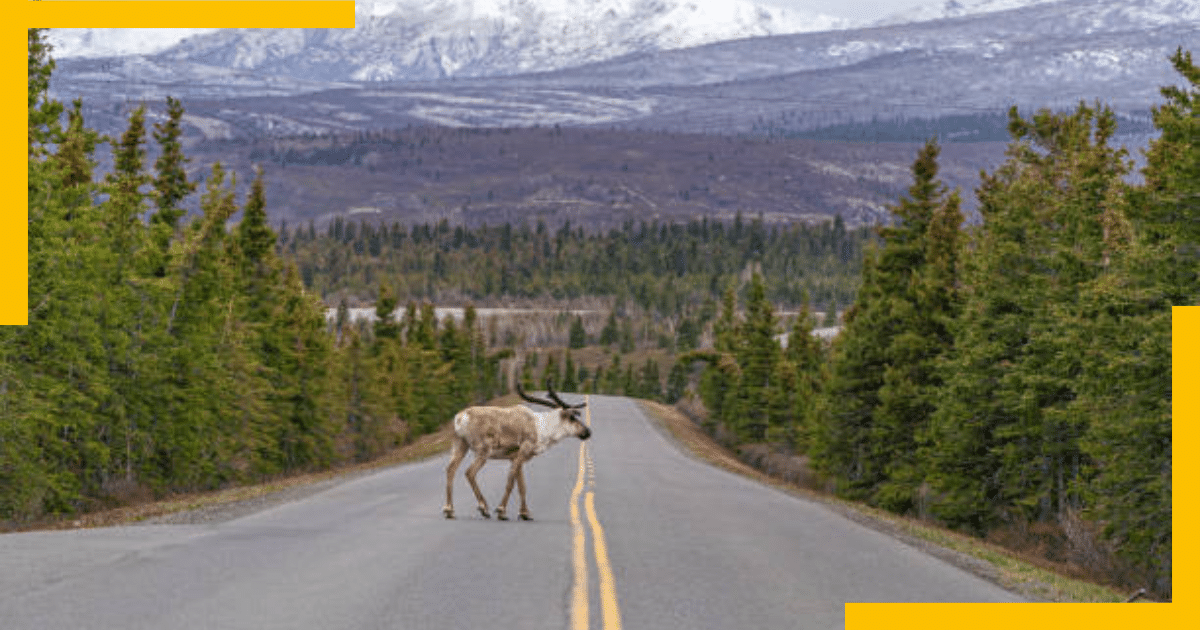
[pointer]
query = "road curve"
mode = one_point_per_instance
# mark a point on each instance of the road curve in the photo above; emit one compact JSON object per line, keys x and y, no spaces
{"x":687,"y":545}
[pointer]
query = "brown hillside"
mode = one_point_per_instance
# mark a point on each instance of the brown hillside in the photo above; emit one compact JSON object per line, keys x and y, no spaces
{"x":594,"y":178}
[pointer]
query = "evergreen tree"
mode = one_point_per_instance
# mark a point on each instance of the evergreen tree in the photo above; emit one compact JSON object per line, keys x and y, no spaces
{"x":1003,"y":448}
{"x":921,"y":305}
{"x":757,"y":353}
{"x":254,"y":249}
{"x":550,"y":372}
{"x":124,"y":311}
{"x":367,"y":423}
{"x":44,"y":112}
{"x":214,"y":378}
{"x":171,"y":184}
{"x":297,"y":352}
{"x":578,"y":336}
{"x":650,"y":386}
{"x":882,"y":391}
{"x":342,"y":319}
{"x":1124,"y":392}
{"x":608,"y":335}
{"x":841,"y":449}
{"x":455,"y":346}
{"x":719,"y":382}
{"x":677,"y":381}
{"x":74,"y":156}
{"x":569,"y":382}
{"x":387,"y":329}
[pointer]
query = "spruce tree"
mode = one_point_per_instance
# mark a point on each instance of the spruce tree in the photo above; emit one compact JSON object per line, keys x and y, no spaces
{"x":297,"y":351}
{"x":677,"y":382}
{"x":650,"y":387}
{"x":1002,"y":448}
{"x":44,"y":112}
{"x":387,"y":329}
{"x":578,"y":336}
{"x":1124,"y":385}
{"x":171,"y":184}
{"x":757,"y":353}
{"x":254,"y":248}
{"x":921,"y":305}
{"x":840,"y":449}
{"x":881,"y":390}
{"x":74,"y":156}
{"x":800,"y":374}
{"x":569,"y":382}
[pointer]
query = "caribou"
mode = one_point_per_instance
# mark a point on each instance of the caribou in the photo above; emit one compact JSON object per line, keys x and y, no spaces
{"x":513,"y":433}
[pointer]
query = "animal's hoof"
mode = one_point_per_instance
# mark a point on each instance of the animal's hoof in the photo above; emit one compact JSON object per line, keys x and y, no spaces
{"x":450,"y":515}
{"x":484,"y":512}
{"x":526,"y":517}
{"x":501,"y":516}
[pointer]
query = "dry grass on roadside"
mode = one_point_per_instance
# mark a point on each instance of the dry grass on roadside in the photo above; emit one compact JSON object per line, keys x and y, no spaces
{"x":1002,"y":566}
{"x":700,"y":444}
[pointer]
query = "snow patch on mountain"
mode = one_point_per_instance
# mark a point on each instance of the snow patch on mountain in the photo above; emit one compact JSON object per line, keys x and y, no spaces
{"x":433,"y":39}
{"x":943,"y":9}
{"x":1142,"y":13}
{"x":114,"y":42}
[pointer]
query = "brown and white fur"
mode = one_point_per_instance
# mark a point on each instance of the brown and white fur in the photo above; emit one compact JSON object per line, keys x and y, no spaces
{"x":512,"y":433}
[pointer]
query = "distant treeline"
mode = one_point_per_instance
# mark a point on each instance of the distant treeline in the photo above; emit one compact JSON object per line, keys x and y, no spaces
{"x":978,"y":127}
{"x":668,"y":268}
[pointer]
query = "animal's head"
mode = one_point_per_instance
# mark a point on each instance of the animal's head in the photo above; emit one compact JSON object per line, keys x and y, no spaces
{"x":569,"y":415}
{"x":574,"y":421}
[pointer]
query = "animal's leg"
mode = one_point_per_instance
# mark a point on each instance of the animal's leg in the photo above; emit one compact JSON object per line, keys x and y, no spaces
{"x":456,"y":456}
{"x":524,"y":514}
{"x":472,"y":470}
{"x":513,"y":471}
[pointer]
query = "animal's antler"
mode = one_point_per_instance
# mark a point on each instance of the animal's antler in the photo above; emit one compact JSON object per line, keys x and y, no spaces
{"x":555,"y":398}
{"x":528,"y":398}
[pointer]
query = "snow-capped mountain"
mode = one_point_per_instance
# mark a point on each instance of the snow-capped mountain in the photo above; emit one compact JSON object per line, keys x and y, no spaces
{"x":435,"y":39}
{"x":1030,"y":54}
{"x":1135,"y":13}
{"x":942,"y":9}
{"x":632,"y":65}
{"x":71,"y":43}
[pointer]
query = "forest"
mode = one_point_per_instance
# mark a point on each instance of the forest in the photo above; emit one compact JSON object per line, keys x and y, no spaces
{"x":1010,"y":379}
{"x":166,"y":355}
{"x":975,"y":127}
{"x":667,"y":268}
{"x":1006,"y":379}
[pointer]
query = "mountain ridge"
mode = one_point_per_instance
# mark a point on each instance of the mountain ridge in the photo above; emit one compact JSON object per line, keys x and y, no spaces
{"x":437,"y":39}
{"x":955,"y":76}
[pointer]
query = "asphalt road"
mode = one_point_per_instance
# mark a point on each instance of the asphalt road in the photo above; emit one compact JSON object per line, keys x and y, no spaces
{"x":687,"y":546}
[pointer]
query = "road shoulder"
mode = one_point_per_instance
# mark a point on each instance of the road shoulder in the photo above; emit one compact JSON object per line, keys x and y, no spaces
{"x":986,"y":561}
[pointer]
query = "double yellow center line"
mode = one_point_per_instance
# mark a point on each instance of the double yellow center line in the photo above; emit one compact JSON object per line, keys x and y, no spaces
{"x":610,"y":613}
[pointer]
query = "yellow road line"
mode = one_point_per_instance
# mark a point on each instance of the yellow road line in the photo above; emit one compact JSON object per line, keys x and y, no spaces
{"x":579,"y":597}
{"x":609,"y":612}
{"x":608,"y":589}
